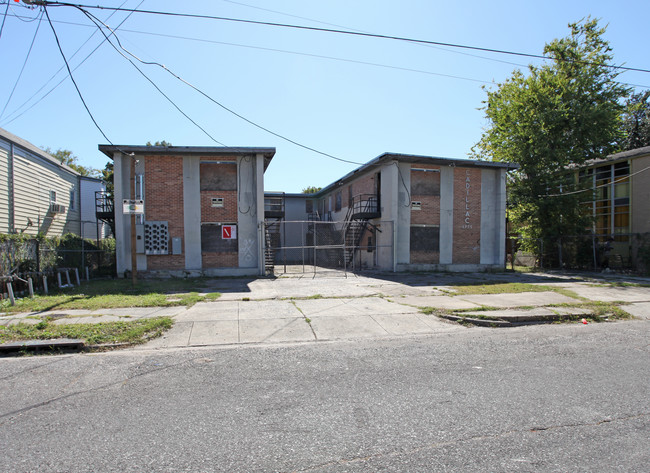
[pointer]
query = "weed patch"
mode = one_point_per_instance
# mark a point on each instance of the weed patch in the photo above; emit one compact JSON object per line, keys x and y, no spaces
{"x":131,"y":332}
{"x":111,"y":294}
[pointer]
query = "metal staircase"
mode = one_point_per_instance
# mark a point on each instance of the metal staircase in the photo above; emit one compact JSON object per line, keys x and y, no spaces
{"x":363,"y":208}
{"x":105,"y":209}
{"x":271,"y":242}
{"x":273,"y":216}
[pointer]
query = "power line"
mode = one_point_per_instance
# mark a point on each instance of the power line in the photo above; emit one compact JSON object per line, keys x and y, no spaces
{"x":58,"y":43}
{"x":336,"y":31}
{"x":591,"y":189}
{"x":4,"y":18}
{"x":332,"y":58}
{"x":60,"y":69}
{"x":22,"y":69}
{"x":95,"y":20}
{"x":257,"y":125}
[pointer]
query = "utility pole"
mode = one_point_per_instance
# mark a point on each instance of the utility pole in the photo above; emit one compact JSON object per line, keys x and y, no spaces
{"x":134,"y":256}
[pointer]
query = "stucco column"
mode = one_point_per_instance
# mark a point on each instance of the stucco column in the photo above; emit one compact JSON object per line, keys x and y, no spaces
{"x":403,"y":233}
{"x":121,"y":182}
{"x":446,"y":214}
{"x":247,"y":210}
{"x":192,"y":212}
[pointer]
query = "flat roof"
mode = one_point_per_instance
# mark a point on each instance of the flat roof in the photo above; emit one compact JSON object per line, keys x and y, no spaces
{"x":416,"y":159}
{"x":110,"y":150}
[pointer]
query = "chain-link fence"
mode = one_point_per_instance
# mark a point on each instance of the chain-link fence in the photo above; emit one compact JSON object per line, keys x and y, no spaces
{"x":316,"y":246}
{"x":19,"y":255}
{"x":59,"y":260}
{"x":628,"y":252}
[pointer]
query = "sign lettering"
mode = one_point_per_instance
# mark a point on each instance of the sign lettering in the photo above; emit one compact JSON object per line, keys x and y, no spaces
{"x":468,"y":185}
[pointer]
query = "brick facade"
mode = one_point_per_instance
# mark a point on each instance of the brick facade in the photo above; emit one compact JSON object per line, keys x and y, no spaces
{"x":467,"y":216}
{"x":429,"y":213}
{"x":163,"y":198}
{"x":223,"y":176}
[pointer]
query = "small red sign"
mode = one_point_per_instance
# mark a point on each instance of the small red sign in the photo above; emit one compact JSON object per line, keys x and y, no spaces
{"x":229,"y":232}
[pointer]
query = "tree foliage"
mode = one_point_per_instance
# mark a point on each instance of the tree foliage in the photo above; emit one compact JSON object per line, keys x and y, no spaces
{"x":66,"y":157}
{"x":562,"y":113}
{"x":108,"y":178}
{"x":636,"y":121}
{"x":311,"y":190}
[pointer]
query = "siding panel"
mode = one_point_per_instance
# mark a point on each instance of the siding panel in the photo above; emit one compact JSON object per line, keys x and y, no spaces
{"x":33,"y":181}
{"x":4,"y":187}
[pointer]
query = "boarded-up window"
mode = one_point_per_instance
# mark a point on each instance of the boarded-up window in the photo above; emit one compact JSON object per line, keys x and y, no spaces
{"x":212,"y":240}
{"x":309,"y":206}
{"x":219,"y":176}
{"x":337,"y":203}
{"x":425,"y":182}
{"x":425,"y":238}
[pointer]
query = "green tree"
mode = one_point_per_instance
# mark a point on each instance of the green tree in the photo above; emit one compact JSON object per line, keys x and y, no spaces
{"x":636,"y":121}
{"x":311,"y":190}
{"x":562,"y":113}
{"x":107,"y":177}
{"x":66,"y":157}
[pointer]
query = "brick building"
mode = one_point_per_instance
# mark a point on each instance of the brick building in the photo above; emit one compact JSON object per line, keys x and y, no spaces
{"x":202,"y":208}
{"x":401,"y":212}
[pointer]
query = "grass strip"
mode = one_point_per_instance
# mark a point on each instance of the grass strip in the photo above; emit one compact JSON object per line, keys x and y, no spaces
{"x":111,"y":294}
{"x":132,"y":332}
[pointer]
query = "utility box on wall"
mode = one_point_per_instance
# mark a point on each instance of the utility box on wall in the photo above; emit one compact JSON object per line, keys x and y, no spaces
{"x":139,"y":238}
{"x":177,"y":246}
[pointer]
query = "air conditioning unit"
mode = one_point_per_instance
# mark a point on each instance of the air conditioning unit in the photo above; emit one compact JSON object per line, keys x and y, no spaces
{"x":57,"y":208}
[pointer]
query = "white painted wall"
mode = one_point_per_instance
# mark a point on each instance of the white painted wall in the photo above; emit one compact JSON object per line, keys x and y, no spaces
{"x":4,"y":186}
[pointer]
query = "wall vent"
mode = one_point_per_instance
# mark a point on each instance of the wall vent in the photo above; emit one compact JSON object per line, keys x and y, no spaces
{"x":156,"y":238}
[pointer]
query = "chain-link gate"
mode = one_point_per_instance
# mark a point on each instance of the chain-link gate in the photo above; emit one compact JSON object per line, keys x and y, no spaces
{"x":317,"y":246}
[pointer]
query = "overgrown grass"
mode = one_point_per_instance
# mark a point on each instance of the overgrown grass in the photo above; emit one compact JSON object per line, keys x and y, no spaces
{"x":508,"y":288}
{"x":131,"y":332}
{"x":111,"y":294}
{"x":620,"y":284}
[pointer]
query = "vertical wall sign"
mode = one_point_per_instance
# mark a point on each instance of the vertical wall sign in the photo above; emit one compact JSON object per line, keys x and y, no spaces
{"x":467,"y":223}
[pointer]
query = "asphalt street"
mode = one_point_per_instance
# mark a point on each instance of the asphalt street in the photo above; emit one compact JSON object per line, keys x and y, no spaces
{"x":567,"y":397}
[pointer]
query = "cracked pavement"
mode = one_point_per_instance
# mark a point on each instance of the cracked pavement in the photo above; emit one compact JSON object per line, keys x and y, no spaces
{"x":534,"y":398}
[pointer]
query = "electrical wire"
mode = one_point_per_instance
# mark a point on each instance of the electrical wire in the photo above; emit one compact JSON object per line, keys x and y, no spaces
{"x":362,"y":31}
{"x":339,"y":31}
{"x":60,"y":69}
{"x":74,"y":82}
{"x":173,"y":74}
{"x":334,"y":58}
{"x":153,"y":83}
{"x":591,"y":189}
{"x":22,"y":69}
{"x":4,"y":19}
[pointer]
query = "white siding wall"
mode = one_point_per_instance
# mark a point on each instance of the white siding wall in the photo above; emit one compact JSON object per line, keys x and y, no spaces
{"x":88,"y":216}
{"x":4,"y":186}
{"x":33,"y":181}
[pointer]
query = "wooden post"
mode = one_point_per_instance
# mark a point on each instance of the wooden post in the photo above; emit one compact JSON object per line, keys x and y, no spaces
{"x":30,"y":285}
{"x":67,"y":277}
{"x":87,"y":274}
{"x":10,"y":290}
{"x":76,"y":274}
{"x":45,"y":285}
{"x":58,"y":278}
{"x":134,"y":256}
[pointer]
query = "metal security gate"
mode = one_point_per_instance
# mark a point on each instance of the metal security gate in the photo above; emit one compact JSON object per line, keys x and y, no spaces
{"x":318,"y":246}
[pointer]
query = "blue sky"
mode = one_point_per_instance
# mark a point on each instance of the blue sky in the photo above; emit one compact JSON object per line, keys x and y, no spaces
{"x":351,"y":97}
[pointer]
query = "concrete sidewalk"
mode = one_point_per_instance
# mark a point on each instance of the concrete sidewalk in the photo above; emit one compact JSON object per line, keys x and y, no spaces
{"x":335,"y":307}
